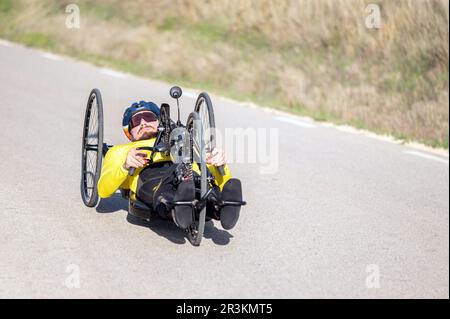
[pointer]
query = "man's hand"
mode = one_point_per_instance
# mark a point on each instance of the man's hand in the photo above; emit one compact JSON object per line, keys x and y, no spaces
{"x":135,"y":159}
{"x":216,"y":157}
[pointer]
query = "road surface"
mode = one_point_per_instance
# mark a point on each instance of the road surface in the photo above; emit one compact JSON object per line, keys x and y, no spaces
{"x":329,"y":214}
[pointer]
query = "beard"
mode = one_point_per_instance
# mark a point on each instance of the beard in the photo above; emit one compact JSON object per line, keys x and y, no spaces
{"x":146,"y":134}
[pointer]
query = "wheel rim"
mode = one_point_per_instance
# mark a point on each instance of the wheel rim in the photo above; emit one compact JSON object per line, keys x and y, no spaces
{"x":92,"y":148}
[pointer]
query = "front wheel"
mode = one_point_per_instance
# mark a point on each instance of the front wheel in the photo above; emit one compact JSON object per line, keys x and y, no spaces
{"x":198,"y":157}
{"x":204,"y":108}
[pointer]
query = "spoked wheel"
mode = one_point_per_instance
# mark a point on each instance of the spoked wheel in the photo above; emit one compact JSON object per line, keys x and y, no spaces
{"x":92,"y":148}
{"x":204,"y":108}
{"x":198,"y":157}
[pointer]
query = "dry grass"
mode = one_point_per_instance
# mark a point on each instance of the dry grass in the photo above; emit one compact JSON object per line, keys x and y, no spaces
{"x":315,"y":57}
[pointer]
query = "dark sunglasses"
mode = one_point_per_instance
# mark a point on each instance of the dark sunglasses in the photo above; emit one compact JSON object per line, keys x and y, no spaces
{"x":146,"y":116}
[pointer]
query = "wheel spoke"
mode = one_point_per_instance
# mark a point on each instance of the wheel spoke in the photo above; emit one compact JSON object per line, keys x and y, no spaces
{"x":93,"y":126}
{"x":89,"y":184}
{"x":206,"y":127}
{"x":91,"y":148}
{"x":92,"y":164}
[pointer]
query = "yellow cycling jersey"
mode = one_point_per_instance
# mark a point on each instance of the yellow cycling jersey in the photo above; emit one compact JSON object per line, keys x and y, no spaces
{"x":114,"y":176}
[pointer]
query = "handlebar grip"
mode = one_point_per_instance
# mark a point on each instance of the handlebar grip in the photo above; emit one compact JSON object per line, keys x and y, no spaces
{"x":131,"y":170}
{"x":221,"y":170}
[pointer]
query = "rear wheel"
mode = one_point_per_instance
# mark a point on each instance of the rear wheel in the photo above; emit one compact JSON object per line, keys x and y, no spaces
{"x":92,"y":149}
{"x":198,"y":157}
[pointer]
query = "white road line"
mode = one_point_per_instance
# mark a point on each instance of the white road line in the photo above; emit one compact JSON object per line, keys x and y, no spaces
{"x":427,"y":156}
{"x":5,"y":43}
{"x":113,"y":73}
{"x":296,"y":122}
{"x":51,"y":56}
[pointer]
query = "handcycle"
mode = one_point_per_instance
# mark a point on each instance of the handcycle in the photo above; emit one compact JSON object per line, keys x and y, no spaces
{"x":186,"y":145}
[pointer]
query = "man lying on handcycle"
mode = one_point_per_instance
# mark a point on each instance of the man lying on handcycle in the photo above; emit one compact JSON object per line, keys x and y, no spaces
{"x":153,"y":183}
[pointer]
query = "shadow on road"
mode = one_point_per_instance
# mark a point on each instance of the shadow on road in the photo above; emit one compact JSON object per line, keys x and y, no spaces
{"x":112,"y":204}
{"x":167,"y":229}
{"x":164,"y":228}
{"x":218,"y":236}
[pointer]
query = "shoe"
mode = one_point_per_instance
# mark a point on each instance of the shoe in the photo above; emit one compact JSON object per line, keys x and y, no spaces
{"x":182,"y":215}
{"x":229,"y":215}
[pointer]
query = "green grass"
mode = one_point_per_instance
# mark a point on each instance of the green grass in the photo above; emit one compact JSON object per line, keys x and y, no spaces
{"x":412,"y":76}
{"x":35,"y":39}
{"x":109,"y":11}
{"x":209,"y":33}
{"x":168,"y":24}
{"x":5,"y":6}
{"x":444,"y":144}
{"x":102,"y":10}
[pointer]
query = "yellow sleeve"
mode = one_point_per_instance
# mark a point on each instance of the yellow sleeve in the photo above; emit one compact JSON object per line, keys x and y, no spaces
{"x":113,"y":174}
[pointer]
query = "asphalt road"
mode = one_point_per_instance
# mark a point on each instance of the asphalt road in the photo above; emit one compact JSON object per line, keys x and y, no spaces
{"x":329,"y":214}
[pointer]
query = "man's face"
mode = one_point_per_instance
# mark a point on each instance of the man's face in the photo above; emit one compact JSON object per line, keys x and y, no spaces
{"x":144,"y":125}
